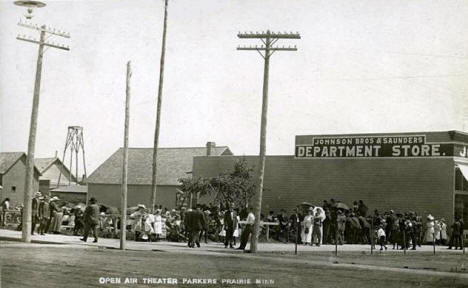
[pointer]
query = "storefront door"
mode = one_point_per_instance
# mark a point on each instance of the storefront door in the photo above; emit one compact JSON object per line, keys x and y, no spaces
{"x":461,"y":208}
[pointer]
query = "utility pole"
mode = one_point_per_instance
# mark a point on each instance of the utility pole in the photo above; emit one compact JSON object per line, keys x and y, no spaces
{"x":29,"y":181}
{"x":269,"y":39}
{"x":123,"y":218}
{"x":158,"y":111}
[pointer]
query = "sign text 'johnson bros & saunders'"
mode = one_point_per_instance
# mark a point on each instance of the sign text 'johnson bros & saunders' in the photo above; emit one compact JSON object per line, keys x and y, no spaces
{"x":373,"y":146}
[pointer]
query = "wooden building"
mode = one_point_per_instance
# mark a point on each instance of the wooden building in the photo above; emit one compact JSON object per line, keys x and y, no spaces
{"x":51,"y":170}
{"x":425,"y":172}
{"x":173,"y":163}
{"x":13,"y":175}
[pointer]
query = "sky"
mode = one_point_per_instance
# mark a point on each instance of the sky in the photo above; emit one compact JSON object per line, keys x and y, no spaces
{"x":362,"y":66}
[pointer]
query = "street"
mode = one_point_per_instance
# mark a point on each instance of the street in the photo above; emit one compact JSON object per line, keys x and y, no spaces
{"x":166,"y":264}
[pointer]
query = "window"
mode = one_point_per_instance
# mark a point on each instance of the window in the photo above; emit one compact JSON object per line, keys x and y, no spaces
{"x":460,"y":182}
{"x":13,"y":189}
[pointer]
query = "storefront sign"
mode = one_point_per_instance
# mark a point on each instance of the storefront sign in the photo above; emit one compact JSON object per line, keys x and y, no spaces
{"x":374,"y":146}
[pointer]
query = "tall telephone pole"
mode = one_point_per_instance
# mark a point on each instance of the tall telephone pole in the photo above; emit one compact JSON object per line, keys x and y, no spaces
{"x":123,"y":219}
{"x":269,"y":39}
{"x":29,"y":181}
{"x":158,"y":111}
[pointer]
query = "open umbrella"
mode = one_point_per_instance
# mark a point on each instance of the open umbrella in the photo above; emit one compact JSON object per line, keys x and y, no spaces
{"x":307,"y":204}
{"x":342,"y":206}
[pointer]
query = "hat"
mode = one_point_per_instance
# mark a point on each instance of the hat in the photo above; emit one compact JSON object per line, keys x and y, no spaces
{"x":55,"y":198}
{"x":37,"y":194}
{"x":141,"y":206}
{"x":430,"y":217}
{"x":207,"y":212}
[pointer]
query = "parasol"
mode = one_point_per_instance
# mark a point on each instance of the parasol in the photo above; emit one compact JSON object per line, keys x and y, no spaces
{"x":342,"y":206}
{"x":322,"y":213}
{"x":307,"y":204}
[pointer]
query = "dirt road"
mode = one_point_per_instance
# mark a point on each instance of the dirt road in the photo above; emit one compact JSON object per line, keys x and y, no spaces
{"x":35,"y":265}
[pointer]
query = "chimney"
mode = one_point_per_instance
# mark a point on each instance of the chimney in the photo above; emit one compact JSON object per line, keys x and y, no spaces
{"x":56,"y":153}
{"x":209,"y":148}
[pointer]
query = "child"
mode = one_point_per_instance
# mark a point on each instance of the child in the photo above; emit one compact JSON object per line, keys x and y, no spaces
{"x":381,"y":235}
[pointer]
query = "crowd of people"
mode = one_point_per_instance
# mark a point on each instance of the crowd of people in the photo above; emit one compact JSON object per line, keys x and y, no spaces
{"x":335,"y":222}
{"x":331,"y":223}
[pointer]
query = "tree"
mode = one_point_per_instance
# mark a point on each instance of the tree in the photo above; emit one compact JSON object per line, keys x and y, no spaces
{"x":235,"y":187}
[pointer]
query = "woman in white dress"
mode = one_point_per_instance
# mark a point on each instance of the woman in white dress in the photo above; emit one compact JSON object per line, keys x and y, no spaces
{"x":443,"y":232}
{"x":429,"y":235}
{"x":158,"y":224}
{"x":322,"y":217}
{"x":307,"y":228}
{"x":137,"y":221}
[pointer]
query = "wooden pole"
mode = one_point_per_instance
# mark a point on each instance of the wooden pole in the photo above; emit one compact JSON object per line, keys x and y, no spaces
{"x":29,"y":179}
{"x":372,"y":236}
{"x":261,"y":160}
{"x":123,"y":222}
{"x":158,"y":111}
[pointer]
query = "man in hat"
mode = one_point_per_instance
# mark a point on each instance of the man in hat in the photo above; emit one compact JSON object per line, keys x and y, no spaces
{"x":53,"y":209}
{"x":35,"y":211}
{"x":457,"y":234}
{"x":283,"y":226}
{"x":44,"y":214}
{"x":91,"y":220}
{"x":230,"y":224}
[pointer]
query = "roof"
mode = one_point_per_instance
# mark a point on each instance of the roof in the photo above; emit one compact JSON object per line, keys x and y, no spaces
{"x":71,"y":189}
{"x":44,"y":163}
{"x":8,"y":159}
{"x":172,"y":164}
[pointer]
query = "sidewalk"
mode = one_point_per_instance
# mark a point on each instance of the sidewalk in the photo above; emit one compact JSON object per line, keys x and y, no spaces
{"x":9,"y":235}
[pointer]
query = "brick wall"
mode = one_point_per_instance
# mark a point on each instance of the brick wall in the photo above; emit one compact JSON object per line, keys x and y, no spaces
{"x":423,"y":185}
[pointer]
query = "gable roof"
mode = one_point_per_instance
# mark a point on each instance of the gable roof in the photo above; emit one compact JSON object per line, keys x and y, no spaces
{"x":172,"y":164}
{"x":9,"y":159}
{"x":45,"y":163}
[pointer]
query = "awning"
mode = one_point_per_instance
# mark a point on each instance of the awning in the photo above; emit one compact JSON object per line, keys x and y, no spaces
{"x":464,"y":169}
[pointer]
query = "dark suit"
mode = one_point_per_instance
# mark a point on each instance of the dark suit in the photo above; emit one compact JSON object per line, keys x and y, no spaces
{"x":91,"y":220}
{"x":44,"y":214}
{"x":230,"y":224}
{"x":195,"y":221}
{"x":35,"y":214}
